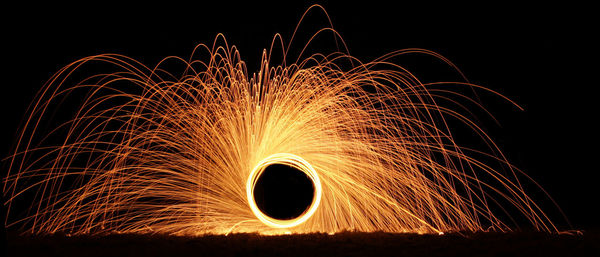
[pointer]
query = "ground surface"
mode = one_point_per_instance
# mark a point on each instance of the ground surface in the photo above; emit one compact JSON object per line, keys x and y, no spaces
{"x":312,"y":245}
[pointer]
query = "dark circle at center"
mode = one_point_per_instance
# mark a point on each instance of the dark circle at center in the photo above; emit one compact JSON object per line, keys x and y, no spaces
{"x":283,"y":192}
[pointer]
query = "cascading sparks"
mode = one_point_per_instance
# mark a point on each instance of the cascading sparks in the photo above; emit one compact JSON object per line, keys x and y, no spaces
{"x":151,"y":151}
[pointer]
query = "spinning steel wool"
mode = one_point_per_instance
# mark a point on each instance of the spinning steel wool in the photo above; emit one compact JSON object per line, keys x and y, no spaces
{"x":153,"y":151}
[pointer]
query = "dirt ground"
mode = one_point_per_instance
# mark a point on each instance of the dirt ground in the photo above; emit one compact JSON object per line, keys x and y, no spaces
{"x":312,"y":245}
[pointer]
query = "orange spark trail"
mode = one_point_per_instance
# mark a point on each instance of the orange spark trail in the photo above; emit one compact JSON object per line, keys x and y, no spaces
{"x":153,"y":151}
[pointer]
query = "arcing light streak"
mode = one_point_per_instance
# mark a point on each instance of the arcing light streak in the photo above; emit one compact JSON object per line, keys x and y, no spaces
{"x":151,"y":151}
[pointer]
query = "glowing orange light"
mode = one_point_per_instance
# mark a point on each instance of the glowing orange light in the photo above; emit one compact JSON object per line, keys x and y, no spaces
{"x":293,"y":161}
{"x":181,"y":153}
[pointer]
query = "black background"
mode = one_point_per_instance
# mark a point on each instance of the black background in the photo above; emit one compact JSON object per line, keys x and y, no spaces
{"x":537,"y":55}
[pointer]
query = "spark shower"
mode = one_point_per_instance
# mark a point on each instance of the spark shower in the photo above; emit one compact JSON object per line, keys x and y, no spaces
{"x":158,"y":150}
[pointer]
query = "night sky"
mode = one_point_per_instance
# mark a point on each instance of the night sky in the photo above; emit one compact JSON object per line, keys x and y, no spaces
{"x":532,"y":54}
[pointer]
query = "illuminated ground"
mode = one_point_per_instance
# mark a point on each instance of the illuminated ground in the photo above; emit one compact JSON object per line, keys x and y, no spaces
{"x":345,"y":244}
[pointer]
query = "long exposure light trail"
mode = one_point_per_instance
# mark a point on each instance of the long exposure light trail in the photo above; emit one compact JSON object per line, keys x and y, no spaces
{"x":180,"y":151}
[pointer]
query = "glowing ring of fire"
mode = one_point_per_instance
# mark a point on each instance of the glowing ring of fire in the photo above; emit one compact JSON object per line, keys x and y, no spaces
{"x":293,"y":161}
